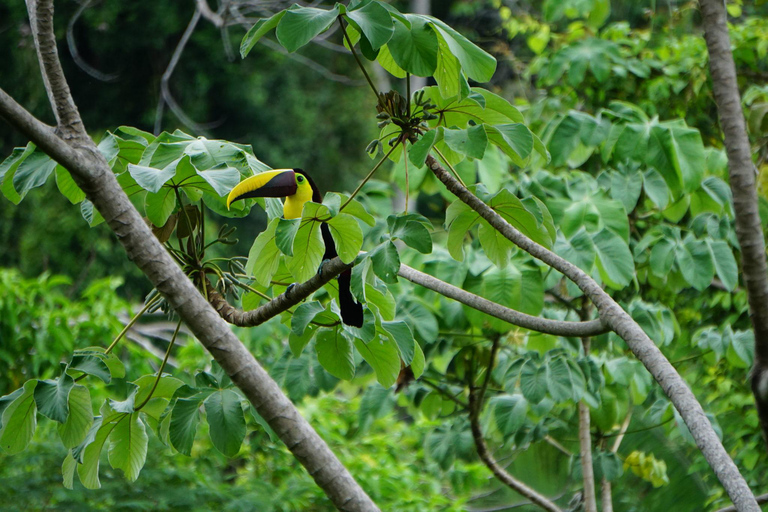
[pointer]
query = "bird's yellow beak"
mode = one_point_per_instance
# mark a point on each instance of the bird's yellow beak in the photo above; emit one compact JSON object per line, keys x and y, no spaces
{"x":277,"y":183}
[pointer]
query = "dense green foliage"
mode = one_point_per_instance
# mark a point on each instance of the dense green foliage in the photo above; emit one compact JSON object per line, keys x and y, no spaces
{"x":618,"y":167}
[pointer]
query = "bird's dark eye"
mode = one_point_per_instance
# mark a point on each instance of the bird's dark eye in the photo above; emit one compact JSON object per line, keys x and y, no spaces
{"x":300,"y":178}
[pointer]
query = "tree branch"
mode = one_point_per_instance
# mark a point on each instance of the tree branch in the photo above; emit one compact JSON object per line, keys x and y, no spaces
{"x":639,"y":342}
{"x":68,"y":120}
{"x":545,"y":325}
{"x":585,"y":444}
{"x":762,"y":499}
{"x":475,"y":405}
{"x":330,"y":270}
{"x":742,"y":180}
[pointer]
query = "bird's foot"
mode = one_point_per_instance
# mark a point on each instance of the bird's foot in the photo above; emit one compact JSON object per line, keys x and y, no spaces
{"x":288,"y":290}
{"x":320,"y":268}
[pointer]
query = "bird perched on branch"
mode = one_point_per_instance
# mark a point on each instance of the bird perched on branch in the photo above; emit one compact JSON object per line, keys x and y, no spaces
{"x":297,"y":188}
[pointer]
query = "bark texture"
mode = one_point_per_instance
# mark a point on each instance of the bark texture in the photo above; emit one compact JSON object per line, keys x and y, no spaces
{"x":742,"y":180}
{"x":641,"y":345}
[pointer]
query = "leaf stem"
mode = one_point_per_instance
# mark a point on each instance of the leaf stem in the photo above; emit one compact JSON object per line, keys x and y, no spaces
{"x":407,"y":185}
{"x":186,"y":217}
{"x":370,"y":174}
{"x":442,"y":157}
{"x":162,"y":367}
{"x":357,"y":59}
{"x":133,"y":320}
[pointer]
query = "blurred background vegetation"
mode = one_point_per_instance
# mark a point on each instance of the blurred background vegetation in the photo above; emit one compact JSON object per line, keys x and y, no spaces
{"x":60,"y":291}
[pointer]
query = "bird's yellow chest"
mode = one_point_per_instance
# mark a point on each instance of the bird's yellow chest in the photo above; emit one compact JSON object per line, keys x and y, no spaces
{"x":294,"y":204}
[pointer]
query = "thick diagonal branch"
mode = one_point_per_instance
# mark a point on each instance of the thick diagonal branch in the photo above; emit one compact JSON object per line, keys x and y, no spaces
{"x":92,"y":173}
{"x":742,"y":180}
{"x":68,"y":120}
{"x":641,"y":345}
{"x":76,"y":152}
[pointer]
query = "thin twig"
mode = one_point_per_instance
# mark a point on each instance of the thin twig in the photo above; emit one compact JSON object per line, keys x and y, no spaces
{"x":368,"y":177}
{"x":166,"y":98}
{"x":488,"y":459}
{"x":162,"y":367}
{"x":95,"y":73}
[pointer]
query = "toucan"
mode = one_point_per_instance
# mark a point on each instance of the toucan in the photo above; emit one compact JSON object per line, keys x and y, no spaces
{"x":298,"y":188}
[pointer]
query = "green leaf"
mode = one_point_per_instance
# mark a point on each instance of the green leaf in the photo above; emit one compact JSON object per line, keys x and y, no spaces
{"x":448,"y":70}
{"x":184,"y":420}
{"x":68,"y":471}
{"x":414,"y":49}
{"x":533,"y":382}
{"x":303,"y":315}
{"x":226,"y":421}
{"x":741,"y":347}
{"x":614,"y":261}
{"x":308,"y":250}
{"x":656,"y":188}
{"x":264,"y":256}
{"x":299,"y":25}
{"x":470,"y":142}
{"x":356,"y":209}
{"x":383,"y":300}
{"x":8,"y":169}
{"x":347,"y":236}
{"x":413,"y":230}
{"x":285,"y":234}
{"x":90,"y":214}
{"x":377,"y":402}
{"x":386,"y":262}
{"x":113,"y":363}
{"x":514,"y":139}
{"x":335,"y":354}
{"x":128,"y":446}
{"x":457,"y":233}
{"x":662,"y":257}
{"x":401,"y":334}
{"x":298,"y":342}
{"x":699,"y":269}
{"x":18,"y":419}
{"x":566,"y":382}
{"x":418,"y":363}
{"x":67,"y":186}
{"x":475,"y":62}
{"x":626,"y":188}
{"x":677,"y":152}
{"x":257,"y":31}
{"x":159,"y":206}
{"x":418,"y":152}
{"x":387,"y":62}
{"x":33,"y":172}
{"x":382,"y":355}
{"x":374,"y":21}
{"x":152,"y":179}
{"x":88,"y":471}
{"x":73,"y":431}
{"x":420,"y":319}
{"x":509,"y":411}
{"x":221,"y":180}
{"x":165,"y":388}
{"x":725,"y":263}
{"x":92,"y":365}
{"x":52,"y":397}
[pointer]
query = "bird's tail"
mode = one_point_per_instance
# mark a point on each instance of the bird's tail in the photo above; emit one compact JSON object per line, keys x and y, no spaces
{"x":351,"y":310}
